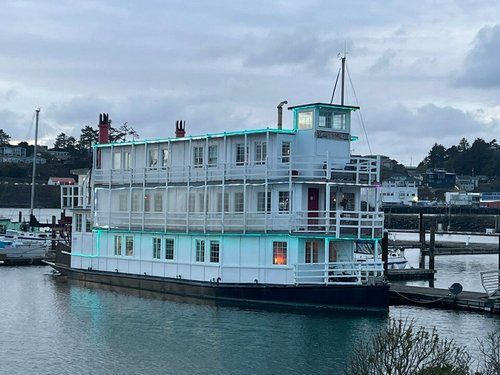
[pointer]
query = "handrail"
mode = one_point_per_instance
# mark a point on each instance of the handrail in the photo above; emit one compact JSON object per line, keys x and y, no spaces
{"x":337,"y":273}
{"x":491,"y":282}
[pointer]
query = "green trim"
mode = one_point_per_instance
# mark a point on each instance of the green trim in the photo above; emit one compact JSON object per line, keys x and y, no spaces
{"x":198,"y":137}
{"x":201,"y":234}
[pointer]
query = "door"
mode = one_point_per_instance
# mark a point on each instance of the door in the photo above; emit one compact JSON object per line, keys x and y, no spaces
{"x":312,"y":206}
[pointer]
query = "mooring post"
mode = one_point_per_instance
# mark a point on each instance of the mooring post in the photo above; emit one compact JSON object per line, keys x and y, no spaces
{"x":385,"y":251}
{"x":431,"y":248}
{"x":53,"y":242}
{"x":422,"y":239}
{"x":20,"y":217}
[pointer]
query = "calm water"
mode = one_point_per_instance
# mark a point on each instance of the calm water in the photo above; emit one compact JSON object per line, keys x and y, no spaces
{"x":52,"y":326}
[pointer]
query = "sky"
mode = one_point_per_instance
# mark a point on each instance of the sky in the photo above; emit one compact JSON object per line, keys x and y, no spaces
{"x":423,"y":72}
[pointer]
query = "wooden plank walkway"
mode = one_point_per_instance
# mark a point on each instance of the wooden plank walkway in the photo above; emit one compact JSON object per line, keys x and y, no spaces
{"x":442,"y":298}
{"x":410,"y":274}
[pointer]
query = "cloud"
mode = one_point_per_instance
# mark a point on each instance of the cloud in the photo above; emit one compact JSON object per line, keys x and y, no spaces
{"x":481,"y":68}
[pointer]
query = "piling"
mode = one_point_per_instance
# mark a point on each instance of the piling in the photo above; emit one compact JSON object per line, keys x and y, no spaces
{"x":385,"y":251}
{"x":422,"y":239}
{"x":53,"y":242}
{"x":431,"y":248}
{"x":20,"y":218}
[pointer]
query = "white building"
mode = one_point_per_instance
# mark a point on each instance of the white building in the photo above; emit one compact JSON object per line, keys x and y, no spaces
{"x":400,"y":192}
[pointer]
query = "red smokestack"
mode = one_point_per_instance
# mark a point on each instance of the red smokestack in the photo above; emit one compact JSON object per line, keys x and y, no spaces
{"x":104,"y":128}
{"x":180,"y":129}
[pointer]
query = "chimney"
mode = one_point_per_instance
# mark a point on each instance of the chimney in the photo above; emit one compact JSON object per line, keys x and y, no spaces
{"x":104,"y":125}
{"x":180,"y":129}
{"x":280,"y":114}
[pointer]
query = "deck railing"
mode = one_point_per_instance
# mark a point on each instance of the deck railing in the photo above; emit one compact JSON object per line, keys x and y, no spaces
{"x":345,"y":224}
{"x":491,"y":283}
{"x":356,"y":170}
{"x":337,"y":273}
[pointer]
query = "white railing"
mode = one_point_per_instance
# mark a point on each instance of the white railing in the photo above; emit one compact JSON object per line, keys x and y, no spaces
{"x":337,"y":273}
{"x":356,"y":170}
{"x":345,"y":224}
{"x":491,"y":283}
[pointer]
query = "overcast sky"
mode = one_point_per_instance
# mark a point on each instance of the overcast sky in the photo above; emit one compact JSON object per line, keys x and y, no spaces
{"x":422,"y":71}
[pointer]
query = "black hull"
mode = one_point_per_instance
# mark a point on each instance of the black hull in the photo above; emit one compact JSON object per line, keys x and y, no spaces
{"x":336,"y":297}
{"x":24,"y":261}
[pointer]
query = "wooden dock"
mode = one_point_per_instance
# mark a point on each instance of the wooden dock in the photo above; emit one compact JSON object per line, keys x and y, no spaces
{"x":410,"y":274}
{"x":442,"y":298}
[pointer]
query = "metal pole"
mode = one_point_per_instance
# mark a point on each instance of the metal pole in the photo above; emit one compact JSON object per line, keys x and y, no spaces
{"x":431,"y":248}
{"x":343,"y":78}
{"x":385,"y":251}
{"x":34,"y":166}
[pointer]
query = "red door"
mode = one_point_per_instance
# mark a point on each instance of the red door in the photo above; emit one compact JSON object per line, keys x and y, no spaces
{"x":312,"y":206}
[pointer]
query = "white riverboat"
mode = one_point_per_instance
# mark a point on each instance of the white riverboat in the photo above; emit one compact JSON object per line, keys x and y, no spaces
{"x":269,"y":216}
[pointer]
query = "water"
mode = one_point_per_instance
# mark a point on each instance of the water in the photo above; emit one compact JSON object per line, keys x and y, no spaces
{"x":52,"y":326}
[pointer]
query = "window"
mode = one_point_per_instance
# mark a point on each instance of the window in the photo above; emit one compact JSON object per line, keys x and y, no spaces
{"x":284,"y":201}
{"x":123,"y":202}
{"x":214,"y":251}
{"x":126,"y":159}
{"x":305,"y":120}
{"x":158,"y":203}
{"x":219,"y":202}
{"x":164,"y":156}
{"x":156,"y":248}
{"x":212,"y":155}
{"x":260,"y":152}
{"x":88,"y":224}
{"x":325,"y":119}
{"x":312,"y":251}
{"x":240,"y":154}
{"x":279,"y":252}
{"x":117,"y":160}
{"x":136,"y":201}
{"x":198,"y":156}
{"x":261,"y":201}
{"x":78,"y":222}
{"x":118,"y":245}
{"x":239,"y":202}
{"x":339,"y":121}
{"x":201,"y":202}
{"x":191,"y":203}
{"x":129,"y":246}
{"x":169,"y":248}
{"x":285,"y":152}
{"x":153,"y":158}
{"x":147,"y":202}
{"x":200,"y":250}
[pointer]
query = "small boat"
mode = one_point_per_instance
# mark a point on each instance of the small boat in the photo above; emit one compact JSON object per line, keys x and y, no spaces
{"x":395,"y":259}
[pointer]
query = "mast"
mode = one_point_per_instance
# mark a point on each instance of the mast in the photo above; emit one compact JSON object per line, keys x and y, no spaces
{"x":34,"y":167}
{"x":343,"y":78}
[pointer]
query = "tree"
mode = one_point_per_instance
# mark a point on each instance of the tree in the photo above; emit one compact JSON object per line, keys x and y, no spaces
{"x":88,"y":137}
{"x":463,"y":145}
{"x":61,"y":141}
{"x":402,"y":348}
{"x":4,"y":138}
{"x":490,"y":349}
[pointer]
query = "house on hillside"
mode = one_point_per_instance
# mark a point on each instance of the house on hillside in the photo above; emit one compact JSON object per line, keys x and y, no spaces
{"x":61,"y":181}
{"x":439,"y":179}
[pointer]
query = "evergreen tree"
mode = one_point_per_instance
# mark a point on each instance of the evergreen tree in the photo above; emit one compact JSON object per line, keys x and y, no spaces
{"x":4,"y":138}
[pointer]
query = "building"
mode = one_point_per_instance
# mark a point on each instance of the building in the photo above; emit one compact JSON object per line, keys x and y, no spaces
{"x":400,"y":192}
{"x":59,"y":154}
{"x":439,"y":179}
{"x":490,"y":199}
{"x":61,"y":181}
{"x":461,"y":198}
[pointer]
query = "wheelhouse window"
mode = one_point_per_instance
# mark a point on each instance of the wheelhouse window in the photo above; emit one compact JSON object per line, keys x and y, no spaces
{"x":212,"y":155}
{"x":78,"y":222}
{"x":240,"y":154}
{"x":200,"y":250}
{"x":325,"y":119}
{"x":156,"y":248}
{"x":153,"y":158}
{"x":198,"y":156}
{"x":169,"y":248}
{"x":279,"y":252}
{"x":261,"y":201}
{"x":311,"y":252}
{"x":285,"y":152}
{"x":118,"y":245}
{"x":129,"y":246}
{"x":136,"y":201}
{"x":305,"y":120}
{"x":123,"y":201}
{"x":260,"y":152}
{"x":126,"y":159}
{"x":339,"y":121}
{"x":220,"y":202}
{"x":214,"y":251}
{"x":284,"y":202}
{"x":158,"y":202}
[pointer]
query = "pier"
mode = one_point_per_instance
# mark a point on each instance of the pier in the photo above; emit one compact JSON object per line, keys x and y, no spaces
{"x":443,"y":298}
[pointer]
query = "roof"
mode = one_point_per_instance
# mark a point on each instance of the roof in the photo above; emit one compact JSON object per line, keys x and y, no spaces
{"x":325,"y":105}
{"x":62,"y":179}
{"x":197,"y":137}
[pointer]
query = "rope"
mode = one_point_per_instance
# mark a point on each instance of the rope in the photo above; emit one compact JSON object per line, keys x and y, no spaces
{"x":415,"y":301}
{"x":360,"y":115}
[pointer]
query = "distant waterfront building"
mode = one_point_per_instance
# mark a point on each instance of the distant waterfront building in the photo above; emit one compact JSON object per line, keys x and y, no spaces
{"x":9,"y":151}
{"x":467,"y":183}
{"x":460,"y":198}
{"x":490,"y":199}
{"x":59,"y":154}
{"x":398,"y":191}
{"x":439,"y":179}
{"x":61,"y":181}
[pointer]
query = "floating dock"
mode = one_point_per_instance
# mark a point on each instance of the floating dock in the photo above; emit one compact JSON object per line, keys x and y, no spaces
{"x":410,"y":274}
{"x":443,"y":298}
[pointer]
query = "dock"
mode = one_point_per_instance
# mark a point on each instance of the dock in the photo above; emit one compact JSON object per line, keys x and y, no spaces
{"x":443,"y":299}
{"x":410,"y":274}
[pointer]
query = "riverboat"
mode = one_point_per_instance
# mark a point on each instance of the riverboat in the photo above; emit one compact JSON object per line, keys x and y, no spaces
{"x":268,"y":217}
